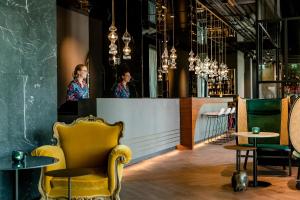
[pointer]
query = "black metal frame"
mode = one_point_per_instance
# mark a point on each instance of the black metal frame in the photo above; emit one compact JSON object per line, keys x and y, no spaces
{"x":260,"y":29}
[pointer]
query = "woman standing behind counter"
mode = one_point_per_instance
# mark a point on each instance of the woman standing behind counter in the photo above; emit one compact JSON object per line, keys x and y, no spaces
{"x":78,"y":88}
{"x":122,"y":88}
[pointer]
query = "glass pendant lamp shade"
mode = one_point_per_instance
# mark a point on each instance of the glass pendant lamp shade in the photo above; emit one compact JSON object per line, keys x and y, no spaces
{"x":191,"y":60}
{"x":113,"y":49}
{"x":206,"y":63}
{"x":197,"y":64}
{"x":159,"y":77}
{"x":126,"y":50}
{"x":173,"y":58}
{"x":165,"y":58}
{"x":126,"y":39}
{"x":112,"y":36}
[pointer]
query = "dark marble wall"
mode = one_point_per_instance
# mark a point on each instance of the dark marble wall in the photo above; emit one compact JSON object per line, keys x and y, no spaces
{"x":28,"y":85}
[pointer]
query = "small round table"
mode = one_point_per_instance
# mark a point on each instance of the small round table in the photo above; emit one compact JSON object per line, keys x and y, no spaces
{"x":29,"y":162}
{"x":255,"y":183}
{"x":69,"y":173}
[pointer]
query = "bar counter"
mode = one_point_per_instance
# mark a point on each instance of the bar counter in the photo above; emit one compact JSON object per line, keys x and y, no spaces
{"x":157,"y":125}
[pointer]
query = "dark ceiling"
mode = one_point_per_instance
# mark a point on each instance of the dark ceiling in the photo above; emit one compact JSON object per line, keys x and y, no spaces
{"x":239,"y":14}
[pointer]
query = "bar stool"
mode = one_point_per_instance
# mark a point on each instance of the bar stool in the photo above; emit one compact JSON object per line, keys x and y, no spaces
{"x":223,"y":126}
{"x":226,"y":117}
{"x":212,"y":118}
{"x":231,"y":119}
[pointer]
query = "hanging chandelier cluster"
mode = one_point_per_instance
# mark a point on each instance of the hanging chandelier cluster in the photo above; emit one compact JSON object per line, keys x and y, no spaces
{"x":167,"y":61}
{"x":210,"y":29}
{"x":113,"y":37}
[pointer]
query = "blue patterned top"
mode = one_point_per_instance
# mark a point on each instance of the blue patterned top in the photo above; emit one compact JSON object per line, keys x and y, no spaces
{"x":76,"y":91}
{"x":121,"y":91}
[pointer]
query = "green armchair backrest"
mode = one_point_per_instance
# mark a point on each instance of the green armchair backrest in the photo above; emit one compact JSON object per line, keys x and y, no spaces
{"x":266,"y":114}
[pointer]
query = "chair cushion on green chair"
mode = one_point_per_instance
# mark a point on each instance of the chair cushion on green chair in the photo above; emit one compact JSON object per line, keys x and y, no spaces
{"x":266,"y":114}
{"x":274,"y":146}
{"x":269,"y":146}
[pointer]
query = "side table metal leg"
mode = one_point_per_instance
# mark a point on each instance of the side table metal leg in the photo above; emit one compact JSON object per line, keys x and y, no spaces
{"x":238,"y":160}
{"x":16,"y":184}
{"x":69,"y":188}
{"x":255,"y":165}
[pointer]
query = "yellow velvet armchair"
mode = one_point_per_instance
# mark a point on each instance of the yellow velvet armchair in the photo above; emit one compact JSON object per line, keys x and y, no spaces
{"x":86,"y":143}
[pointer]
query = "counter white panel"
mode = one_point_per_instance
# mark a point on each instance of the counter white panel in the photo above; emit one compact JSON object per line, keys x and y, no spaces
{"x":151,"y":125}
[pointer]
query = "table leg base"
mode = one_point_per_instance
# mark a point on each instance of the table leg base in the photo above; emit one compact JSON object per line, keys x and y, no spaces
{"x":259,"y":184}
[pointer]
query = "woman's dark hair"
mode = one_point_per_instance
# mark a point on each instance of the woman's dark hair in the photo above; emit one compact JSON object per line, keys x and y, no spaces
{"x":77,"y":69}
{"x":124,"y":71}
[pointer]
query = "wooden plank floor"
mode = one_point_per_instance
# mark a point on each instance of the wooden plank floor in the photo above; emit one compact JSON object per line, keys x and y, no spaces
{"x":200,"y":174}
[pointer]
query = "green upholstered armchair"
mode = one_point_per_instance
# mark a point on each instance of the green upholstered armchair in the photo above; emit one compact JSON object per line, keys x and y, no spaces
{"x":86,"y":143}
{"x":271,"y":115}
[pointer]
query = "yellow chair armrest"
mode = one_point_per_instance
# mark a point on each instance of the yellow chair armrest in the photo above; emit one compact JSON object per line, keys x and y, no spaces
{"x":118,"y":156}
{"x":54,"y":152}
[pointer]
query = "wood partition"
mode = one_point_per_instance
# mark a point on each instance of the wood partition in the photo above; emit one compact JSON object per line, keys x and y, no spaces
{"x":189,"y":110}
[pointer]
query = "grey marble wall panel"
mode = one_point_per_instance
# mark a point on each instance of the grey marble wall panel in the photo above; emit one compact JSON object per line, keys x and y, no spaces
{"x":28,"y":83}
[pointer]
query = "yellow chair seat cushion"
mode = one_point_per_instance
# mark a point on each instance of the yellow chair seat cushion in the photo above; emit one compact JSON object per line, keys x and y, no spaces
{"x":95,"y":184}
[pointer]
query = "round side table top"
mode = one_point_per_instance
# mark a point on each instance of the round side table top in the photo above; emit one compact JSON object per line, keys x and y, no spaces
{"x":259,"y":135}
{"x":29,"y":162}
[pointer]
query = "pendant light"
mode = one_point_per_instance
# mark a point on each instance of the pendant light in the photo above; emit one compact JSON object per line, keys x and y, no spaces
{"x":112,"y":36}
{"x":165,"y":55}
{"x":206,"y":61}
{"x":126,"y":39}
{"x":191,"y":58}
{"x":173,"y":55}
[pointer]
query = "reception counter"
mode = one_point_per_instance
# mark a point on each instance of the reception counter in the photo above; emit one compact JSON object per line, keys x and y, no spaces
{"x":152,"y":126}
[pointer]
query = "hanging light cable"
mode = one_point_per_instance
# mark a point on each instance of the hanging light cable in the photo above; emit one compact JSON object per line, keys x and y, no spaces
{"x":197,"y":58}
{"x":126,"y":39}
{"x":206,"y":61}
{"x":215,"y":63}
{"x":165,"y":55}
{"x":173,"y":55}
{"x":201,"y":64}
{"x":222,"y":46}
{"x":112,"y":36}
{"x":191,"y":58}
